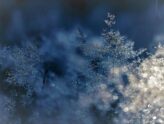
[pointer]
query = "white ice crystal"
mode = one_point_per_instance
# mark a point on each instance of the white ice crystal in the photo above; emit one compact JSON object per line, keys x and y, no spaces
{"x":146,"y":101}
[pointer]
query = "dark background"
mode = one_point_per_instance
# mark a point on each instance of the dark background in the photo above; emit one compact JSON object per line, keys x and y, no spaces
{"x":139,"y":20}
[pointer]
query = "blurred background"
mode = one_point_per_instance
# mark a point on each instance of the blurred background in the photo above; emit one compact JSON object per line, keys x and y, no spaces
{"x":141,"y":21}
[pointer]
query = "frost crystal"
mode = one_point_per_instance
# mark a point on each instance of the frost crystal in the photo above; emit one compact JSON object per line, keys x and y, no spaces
{"x":96,"y":80}
{"x":146,"y":101}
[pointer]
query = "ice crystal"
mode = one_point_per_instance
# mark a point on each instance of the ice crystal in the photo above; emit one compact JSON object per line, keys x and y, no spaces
{"x":86,"y":82}
{"x":146,"y":103}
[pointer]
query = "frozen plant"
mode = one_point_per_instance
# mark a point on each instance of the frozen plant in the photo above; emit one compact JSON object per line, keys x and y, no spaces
{"x":111,"y":61}
{"x":80,"y":82}
{"x":23,"y":74}
{"x":114,"y":51}
{"x":145,"y":103}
